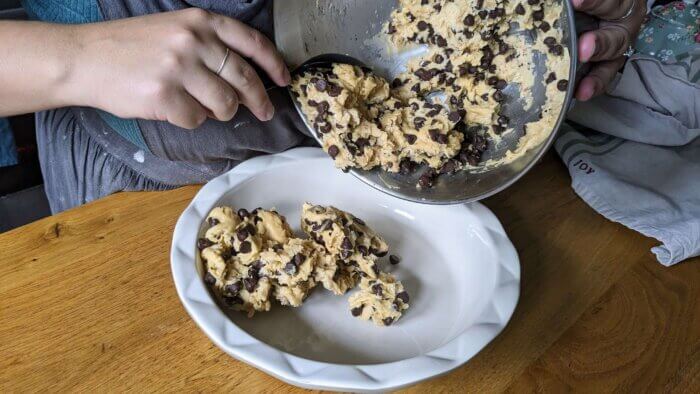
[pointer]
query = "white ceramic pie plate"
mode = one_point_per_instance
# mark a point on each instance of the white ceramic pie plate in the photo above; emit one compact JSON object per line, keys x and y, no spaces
{"x":460,"y":269}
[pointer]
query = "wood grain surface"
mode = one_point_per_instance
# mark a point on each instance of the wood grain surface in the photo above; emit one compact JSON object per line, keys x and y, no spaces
{"x":87,"y":303}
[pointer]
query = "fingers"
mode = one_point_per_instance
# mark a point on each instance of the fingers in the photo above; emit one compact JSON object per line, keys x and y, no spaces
{"x":251,"y":92}
{"x":213,"y":93}
{"x":604,"y":9}
{"x":608,"y":42}
{"x":184,"y":111}
{"x":598,"y":78}
{"x":254,"y":45}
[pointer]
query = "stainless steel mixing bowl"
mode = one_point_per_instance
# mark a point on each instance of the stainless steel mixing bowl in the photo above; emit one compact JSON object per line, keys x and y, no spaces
{"x":305,"y":29}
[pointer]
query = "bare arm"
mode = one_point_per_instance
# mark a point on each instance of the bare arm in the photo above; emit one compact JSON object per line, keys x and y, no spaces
{"x":160,"y":67}
{"x":35,"y":66}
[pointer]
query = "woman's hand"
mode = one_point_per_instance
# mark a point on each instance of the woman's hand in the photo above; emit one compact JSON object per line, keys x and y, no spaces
{"x":163,"y":67}
{"x":619,"y":25}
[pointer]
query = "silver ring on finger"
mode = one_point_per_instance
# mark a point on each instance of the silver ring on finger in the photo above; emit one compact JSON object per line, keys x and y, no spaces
{"x":223,"y":62}
{"x":629,"y":52}
{"x":627,"y":14}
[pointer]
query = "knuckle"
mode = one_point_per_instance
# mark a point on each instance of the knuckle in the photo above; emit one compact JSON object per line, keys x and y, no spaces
{"x":185,"y":39}
{"x":172,"y":62}
{"x":230,"y":104}
{"x":160,"y":92}
{"x":257,"y":39}
{"x":248,"y":76}
{"x":198,"y":15}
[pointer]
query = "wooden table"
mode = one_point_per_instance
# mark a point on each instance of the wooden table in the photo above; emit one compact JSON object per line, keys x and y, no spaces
{"x":87,"y":302}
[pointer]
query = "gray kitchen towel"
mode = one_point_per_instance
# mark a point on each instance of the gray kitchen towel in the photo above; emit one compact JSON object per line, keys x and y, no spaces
{"x":634,"y":155}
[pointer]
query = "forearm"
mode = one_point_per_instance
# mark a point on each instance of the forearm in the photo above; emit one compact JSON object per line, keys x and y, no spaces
{"x":36,"y":70}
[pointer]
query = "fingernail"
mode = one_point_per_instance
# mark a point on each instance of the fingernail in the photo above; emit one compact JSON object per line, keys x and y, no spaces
{"x":269,"y":112}
{"x":587,"y":51}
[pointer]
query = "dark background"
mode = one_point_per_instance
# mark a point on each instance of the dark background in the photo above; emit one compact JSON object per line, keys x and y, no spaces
{"x":22,"y":198}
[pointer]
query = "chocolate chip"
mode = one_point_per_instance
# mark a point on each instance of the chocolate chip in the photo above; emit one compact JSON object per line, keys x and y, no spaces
{"x":394,"y":259}
{"x":326,"y":225}
{"x":209,"y":278}
{"x":204,"y":243}
{"x":396,"y":83}
{"x":423,"y":74}
{"x":434,"y":133}
{"x":251,"y":229}
{"x":418,"y":122}
{"x":290,"y":268}
{"x":333,"y":151}
{"x":212,"y":221}
{"x":550,"y":41}
{"x":538,"y":15}
{"x":363,"y":249}
{"x":415,"y":88}
{"x":498,"y":96}
{"x":242,"y":234}
{"x":245,"y":247}
{"x":325,"y":129}
{"x":362,"y":142}
{"x":443,"y":139}
{"x":556,"y":50}
{"x":544,"y":26}
{"x":501,"y":84}
{"x":391,"y":29}
{"x":532,"y":2}
{"x":333,"y":90}
{"x":233,"y":289}
{"x":562,"y":85}
{"x":449,"y":167}
{"x":243,"y":213}
{"x":377,"y":252}
{"x":469,"y":20}
{"x":410,"y":138}
{"x":551,"y":78}
{"x":346,"y":244}
{"x":299,"y":259}
{"x":441,"y":41}
{"x":406,"y":166}
{"x":387,"y":321}
{"x":454,"y":116}
{"x":422,"y":25}
{"x":483,"y":14}
{"x":377,"y":289}
{"x":403,"y":296}
{"x":357,"y":311}
{"x":519,"y":9}
{"x":426,"y":179}
{"x":321,"y":85}
{"x":492,"y":80}
{"x":250,"y":283}
{"x":462,"y":70}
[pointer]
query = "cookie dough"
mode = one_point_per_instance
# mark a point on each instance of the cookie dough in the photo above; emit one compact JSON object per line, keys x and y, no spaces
{"x":381,"y":299}
{"x":253,"y":257}
{"x":475,"y":49}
